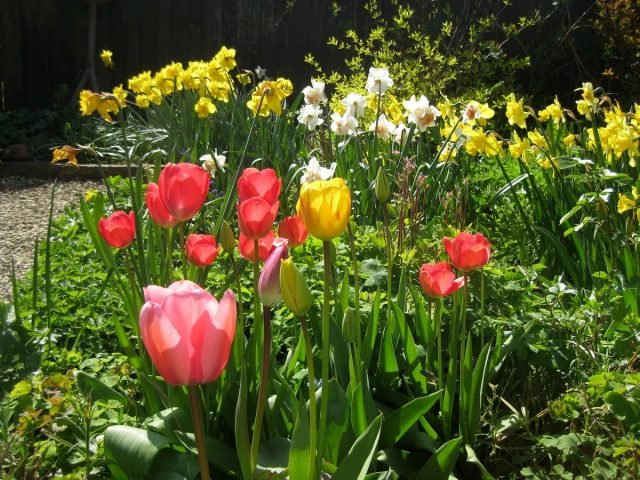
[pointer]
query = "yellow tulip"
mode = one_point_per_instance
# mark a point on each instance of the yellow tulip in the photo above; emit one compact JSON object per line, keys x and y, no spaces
{"x":325,"y":207}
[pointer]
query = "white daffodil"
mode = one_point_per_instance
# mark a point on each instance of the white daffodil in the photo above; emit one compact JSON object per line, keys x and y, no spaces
{"x":345,"y":124}
{"x":213,"y":163}
{"x":309,"y":115}
{"x":420,"y":112}
{"x":315,"y":171}
{"x":401,"y":133}
{"x":355,"y":104}
{"x":382,"y":127}
{"x":378,"y":81}
{"x":314,"y":94}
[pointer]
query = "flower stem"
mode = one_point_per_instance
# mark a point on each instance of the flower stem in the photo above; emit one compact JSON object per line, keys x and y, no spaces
{"x":356,"y":288}
{"x":262,"y":390}
{"x":312,"y":399}
{"x":387,"y":232}
{"x":196,"y":415}
{"x":438,"y":324}
{"x":482,"y":319}
{"x":183,"y":252}
{"x":238,"y":344}
{"x":326,"y":345}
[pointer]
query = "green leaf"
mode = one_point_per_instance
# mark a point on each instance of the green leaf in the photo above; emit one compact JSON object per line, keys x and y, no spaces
{"x":91,"y":387}
{"x":133,"y":449}
{"x":472,"y":458}
{"x":169,"y":421}
{"x":337,"y":419}
{"x":387,"y":363}
{"x":371,"y":334}
{"x":357,"y":461}
{"x":395,"y":425}
{"x":299,"y":455}
{"x":169,"y":465}
{"x":410,"y":351}
{"x":243,"y":447}
{"x":603,"y":470}
{"x":274,"y":455}
{"x":441,"y":463}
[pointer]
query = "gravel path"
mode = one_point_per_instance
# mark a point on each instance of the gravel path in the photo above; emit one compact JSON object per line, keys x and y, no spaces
{"x":24,"y":212}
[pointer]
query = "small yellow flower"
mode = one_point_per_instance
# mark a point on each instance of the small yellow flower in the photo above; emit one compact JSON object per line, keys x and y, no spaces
{"x":447,"y":110}
{"x":481,"y":143}
{"x":552,"y":112}
{"x":105,"y":56}
{"x":205,"y":107}
{"x":103,"y":103}
{"x":478,"y":113}
{"x":519,"y":147}
{"x":226,"y":57}
{"x":569,"y":140}
{"x":515,"y":112}
{"x":90,"y":194}
{"x":625,"y":203}
{"x":67,"y":153}
{"x":325,"y":207}
{"x":243,"y":78}
{"x":588,"y":104}
{"x":268,"y":96}
{"x":538,"y":140}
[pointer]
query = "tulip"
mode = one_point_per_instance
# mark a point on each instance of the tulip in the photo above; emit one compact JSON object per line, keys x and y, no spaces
{"x":382,"y":187}
{"x":157,"y":210}
{"x":183,"y":189}
{"x":247,"y":248}
{"x":325,"y":207}
{"x":118,"y":229}
{"x":468,"y":252}
{"x":256,"y":216}
{"x":294,"y":289}
{"x":202,"y":250}
{"x":269,"y":282}
{"x":227,"y":240}
{"x":293,"y":230}
{"x":438,"y":280}
{"x":259,"y":183}
{"x":187,"y":332}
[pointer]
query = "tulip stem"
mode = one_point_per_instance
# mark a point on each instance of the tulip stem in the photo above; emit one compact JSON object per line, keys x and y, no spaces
{"x":482,"y":319}
{"x":312,"y":399}
{"x":438,"y":325}
{"x":238,"y":347}
{"x":387,"y":233}
{"x":262,"y":390}
{"x":196,"y":416}
{"x":183,"y":252}
{"x":326,"y":345}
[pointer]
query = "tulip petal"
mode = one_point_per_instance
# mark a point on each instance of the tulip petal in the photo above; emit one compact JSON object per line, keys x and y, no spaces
{"x":218,"y":338}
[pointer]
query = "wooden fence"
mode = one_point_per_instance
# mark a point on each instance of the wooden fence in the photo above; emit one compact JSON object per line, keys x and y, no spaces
{"x":43,"y":43}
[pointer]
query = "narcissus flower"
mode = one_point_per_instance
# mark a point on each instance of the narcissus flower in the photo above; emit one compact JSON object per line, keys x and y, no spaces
{"x":183,"y":189}
{"x":187,"y":332}
{"x":292,"y":228}
{"x":157,"y":210}
{"x":438,"y":280}
{"x":106,"y":57}
{"x":268,"y":96}
{"x":378,"y":81}
{"x":476,"y":112}
{"x":468,"y":252}
{"x":314,"y":94}
{"x":314,"y":171}
{"x":204,"y":107}
{"x":118,"y":229}
{"x":516,"y":115}
{"x":420,"y":113}
{"x":202,"y":250}
{"x":309,"y":116}
{"x":213,"y":163}
{"x":552,"y":112}
{"x":383,"y":127}
{"x":67,"y":153}
{"x":345,"y":124}
{"x":104,"y":103}
{"x":325,"y":207}
{"x":355,"y":104}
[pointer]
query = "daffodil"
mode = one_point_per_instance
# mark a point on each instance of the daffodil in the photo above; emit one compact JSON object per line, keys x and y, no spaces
{"x":477,"y":112}
{"x":345,"y":124}
{"x":268,"y":96}
{"x":516,"y":115}
{"x":519,"y":147}
{"x":104,"y":103}
{"x":355,"y":104}
{"x":226,"y":57}
{"x":314,"y":94}
{"x":106,"y":57}
{"x":552,"y":112}
{"x":67,"y":153}
{"x":382,"y":127}
{"x":588,"y":103}
{"x":309,"y":115}
{"x":420,"y":113}
{"x":204,"y":107}
{"x":378,"y":81}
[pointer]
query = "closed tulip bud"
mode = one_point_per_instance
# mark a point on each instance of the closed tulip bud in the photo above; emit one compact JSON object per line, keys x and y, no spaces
{"x":349,"y":327}
{"x":294,"y":289}
{"x":227,"y":239}
{"x":269,"y":282}
{"x":382,"y":187}
{"x":119,"y":229}
{"x":183,"y":189}
{"x":202,"y":250}
{"x":468,"y":252}
{"x":438,"y":280}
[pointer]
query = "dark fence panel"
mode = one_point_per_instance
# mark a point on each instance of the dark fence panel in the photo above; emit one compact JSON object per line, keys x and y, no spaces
{"x":43,"y":43}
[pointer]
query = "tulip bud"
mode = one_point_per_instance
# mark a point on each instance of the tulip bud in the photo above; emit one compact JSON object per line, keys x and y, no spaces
{"x":227,"y":240}
{"x":349,"y":325}
{"x":294,"y":289}
{"x":269,"y":282}
{"x":382,"y":187}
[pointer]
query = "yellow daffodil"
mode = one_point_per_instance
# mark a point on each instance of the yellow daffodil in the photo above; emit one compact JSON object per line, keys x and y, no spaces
{"x":478,"y":113}
{"x":480,"y":142}
{"x":226,"y":57}
{"x":103,"y":103}
{"x":67,"y":153}
{"x":393,"y":110}
{"x":538,"y":140}
{"x":552,"y":112}
{"x":569,"y":140}
{"x":90,"y":194}
{"x":325,"y":207}
{"x":447,"y":110}
{"x":243,"y":78}
{"x":519,"y":147}
{"x":106,"y":57}
{"x":625,"y":203}
{"x":516,"y":115}
{"x":588,"y":103}
{"x":205,"y":107}
{"x":268,"y":96}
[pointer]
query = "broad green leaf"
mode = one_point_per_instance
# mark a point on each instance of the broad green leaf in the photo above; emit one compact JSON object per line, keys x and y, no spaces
{"x":169,"y":465}
{"x":96,"y":390}
{"x":410,"y":351}
{"x":219,"y":454}
{"x":357,"y":461}
{"x":441,"y":463}
{"x":387,"y":363}
{"x":603,"y":470}
{"x":169,"y":421}
{"x":371,"y":334}
{"x":274,"y":455}
{"x":395,"y":425}
{"x":300,"y":457}
{"x":337,"y":419}
{"x":133,"y":449}
{"x":472,"y":458}
{"x":243,"y":447}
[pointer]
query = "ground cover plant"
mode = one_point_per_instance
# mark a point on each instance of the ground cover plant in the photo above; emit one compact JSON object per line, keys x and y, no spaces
{"x":295,"y":286}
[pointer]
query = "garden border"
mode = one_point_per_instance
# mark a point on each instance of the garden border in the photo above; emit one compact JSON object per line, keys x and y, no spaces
{"x":46,"y":170}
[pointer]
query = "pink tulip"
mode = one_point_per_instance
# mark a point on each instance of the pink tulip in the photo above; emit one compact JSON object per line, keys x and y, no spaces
{"x":187,"y":332}
{"x":183,"y":189}
{"x":438,"y":280}
{"x":157,"y":210}
{"x":269,"y":282}
{"x":118,"y":229}
{"x":468,"y":252}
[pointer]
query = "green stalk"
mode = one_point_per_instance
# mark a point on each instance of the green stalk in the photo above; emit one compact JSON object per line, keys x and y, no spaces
{"x":438,"y":324}
{"x":238,"y":343}
{"x":326,"y":345}
{"x":183,"y":252}
{"x":482,"y":319}
{"x":262,"y":390}
{"x":356,"y":288}
{"x":198,"y":429}
{"x":387,"y":233}
{"x":312,"y":400}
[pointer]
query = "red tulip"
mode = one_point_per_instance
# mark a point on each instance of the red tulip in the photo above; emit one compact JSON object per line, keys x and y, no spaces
{"x":119,"y":229}
{"x":187,"y":332}
{"x":259,"y":183}
{"x":269,"y":282}
{"x":202,"y":250}
{"x":156,"y":208}
{"x":438,"y":280}
{"x":247,"y":250}
{"x":292,"y":228}
{"x":183,"y":189}
{"x":256,"y":216}
{"x":468,"y":252}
